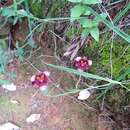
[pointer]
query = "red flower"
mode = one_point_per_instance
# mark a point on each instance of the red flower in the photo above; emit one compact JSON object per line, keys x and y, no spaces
{"x":41,"y":80}
{"x":82,"y":63}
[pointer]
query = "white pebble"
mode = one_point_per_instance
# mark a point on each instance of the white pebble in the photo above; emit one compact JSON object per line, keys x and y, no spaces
{"x":33,"y":117}
{"x":9,"y":87}
{"x":9,"y":126}
{"x":84,"y":94}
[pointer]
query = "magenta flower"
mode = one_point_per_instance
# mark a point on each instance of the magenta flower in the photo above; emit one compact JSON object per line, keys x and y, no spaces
{"x":41,"y":80}
{"x":82,"y":63}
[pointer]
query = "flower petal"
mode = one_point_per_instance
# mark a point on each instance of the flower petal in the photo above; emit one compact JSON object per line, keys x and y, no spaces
{"x":47,"y":73}
{"x":89,"y":62}
{"x":78,"y":58}
{"x":33,"y":78}
{"x":43,"y":88}
{"x":82,"y":63}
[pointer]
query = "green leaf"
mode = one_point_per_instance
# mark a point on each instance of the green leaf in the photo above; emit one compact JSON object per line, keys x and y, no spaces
{"x":85,"y":33}
{"x":87,"y":12}
{"x":89,"y":2}
{"x":19,"y":53}
{"x":75,"y":1}
{"x":8,"y":12}
{"x":95,"y":33}
{"x":87,"y":23}
{"x":116,"y":29}
{"x":77,"y":10}
{"x":103,"y":15}
{"x":22,"y":12}
{"x":123,"y":76}
{"x":31,"y":42}
{"x":15,"y":20}
{"x":2,"y":81}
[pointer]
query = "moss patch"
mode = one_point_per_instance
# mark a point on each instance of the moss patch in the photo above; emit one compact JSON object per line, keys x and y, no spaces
{"x":100,"y":54}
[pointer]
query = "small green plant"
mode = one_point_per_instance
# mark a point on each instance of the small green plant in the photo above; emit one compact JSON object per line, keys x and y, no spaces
{"x":88,"y":23}
{"x":89,"y":19}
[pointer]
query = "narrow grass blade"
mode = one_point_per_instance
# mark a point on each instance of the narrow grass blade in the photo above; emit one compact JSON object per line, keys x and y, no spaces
{"x":112,"y":27}
{"x":65,"y":93}
{"x":122,"y":13}
{"x":122,"y":76}
{"x":84,"y":74}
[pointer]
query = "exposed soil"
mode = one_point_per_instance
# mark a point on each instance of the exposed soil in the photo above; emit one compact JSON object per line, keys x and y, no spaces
{"x":61,"y":113}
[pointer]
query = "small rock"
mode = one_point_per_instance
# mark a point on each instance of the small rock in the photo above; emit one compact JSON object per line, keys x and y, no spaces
{"x":9,"y":87}
{"x":84,"y":94}
{"x":9,"y":126}
{"x":33,"y":117}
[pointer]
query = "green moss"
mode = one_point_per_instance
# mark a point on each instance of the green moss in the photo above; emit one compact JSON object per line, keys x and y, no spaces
{"x":47,"y":8}
{"x":36,"y":8}
{"x":100,"y":54}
